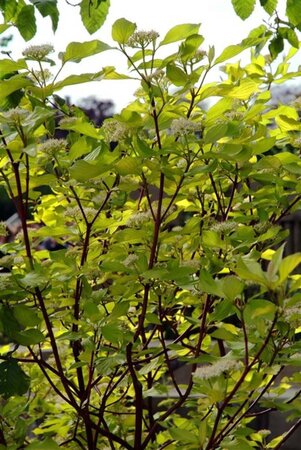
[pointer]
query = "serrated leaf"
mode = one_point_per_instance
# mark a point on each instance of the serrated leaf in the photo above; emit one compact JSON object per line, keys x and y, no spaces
{"x":26,"y":22}
{"x":13,"y":381}
{"x":180,"y":32}
{"x":76,"y":51}
{"x":293,"y":11}
{"x":269,"y":5}
{"x":122,"y":29}
{"x":243,"y":8}
{"x":48,"y":8}
{"x":112,"y":333}
{"x":93,"y":14}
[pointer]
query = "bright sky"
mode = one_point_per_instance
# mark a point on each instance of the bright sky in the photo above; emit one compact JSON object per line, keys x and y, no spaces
{"x":219,"y":25}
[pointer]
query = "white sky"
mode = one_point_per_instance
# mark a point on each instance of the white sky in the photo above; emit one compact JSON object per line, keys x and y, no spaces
{"x":219,"y":25}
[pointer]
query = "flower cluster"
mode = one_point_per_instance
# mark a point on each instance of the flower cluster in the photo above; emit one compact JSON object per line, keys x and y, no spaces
{"x":185,"y":126}
{"x":234,"y":115}
{"x":217,"y":368}
{"x":38,"y":52}
{"x":41,"y":75}
{"x":224,"y":227}
{"x":53,"y":146}
{"x":114,"y":131}
{"x":142,"y":38}
{"x":138,"y":219}
{"x":75,"y":212}
{"x":15,"y":115}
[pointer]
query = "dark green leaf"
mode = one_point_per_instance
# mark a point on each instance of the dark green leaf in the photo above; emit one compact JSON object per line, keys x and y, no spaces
{"x":26,"y":22}
{"x":13,"y":381}
{"x":94,"y":14}
{"x":276,"y":46}
{"x":48,"y":8}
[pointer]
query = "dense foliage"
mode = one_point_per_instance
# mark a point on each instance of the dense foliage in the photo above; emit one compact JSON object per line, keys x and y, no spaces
{"x":166,"y":250}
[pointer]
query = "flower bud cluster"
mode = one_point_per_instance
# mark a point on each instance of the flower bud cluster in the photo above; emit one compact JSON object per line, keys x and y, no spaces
{"x":53,"y":146}
{"x":38,"y":52}
{"x":138,"y":219}
{"x":142,"y":38}
{"x":15,"y":115}
{"x":185,"y":126}
{"x":217,"y":368}
{"x":114,"y":131}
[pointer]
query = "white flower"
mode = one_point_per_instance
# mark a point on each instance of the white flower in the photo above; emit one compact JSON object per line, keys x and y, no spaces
{"x":38,"y":52}
{"x":53,"y":146}
{"x":138,"y":219}
{"x":214,"y":370}
{"x":15,"y":115}
{"x":114,"y":131}
{"x":142,"y":38}
{"x":183,"y":126}
{"x":224,"y":227}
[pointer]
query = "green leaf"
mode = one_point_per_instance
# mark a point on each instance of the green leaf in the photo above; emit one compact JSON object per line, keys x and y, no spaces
{"x":287,"y":265}
{"x":48,"y":8}
{"x":81,"y":127}
{"x":31,"y":336}
{"x":269,"y":5}
{"x":243,"y":8}
{"x":76,"y":51}
{"x":276,"y":46}
{"x":183,"y":435}
{"x":13,"y":381}
{"x":128,"y":165}
{"x":122,"y":29}
{"x":259,"y":308}
{"x":77,"y":79}
{"x":94,"y":13}
{"x":26,"y":22}
{"x":246,"y":88}
{"x":8,"y":66}
{"x":180,"y":32}
{"x":13,"y":84}
{"x":82,"y":170}
{"x":249,"y":269}
{"x":229,"y":52}
{"x":112,"y":333}
{"x":47,"y":444}
{"x":176,"y":75}
{"x":26,"y":316}
{"x":293,"y":11}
